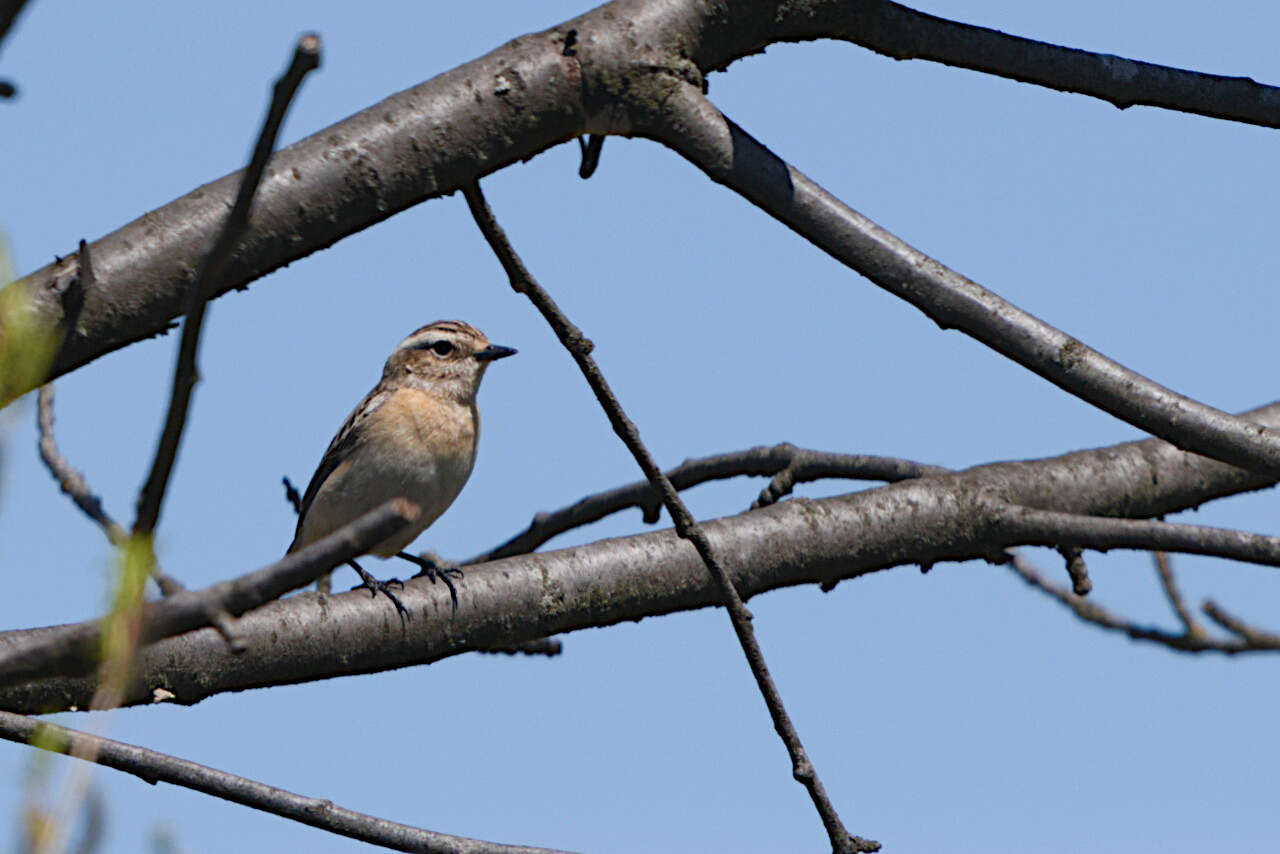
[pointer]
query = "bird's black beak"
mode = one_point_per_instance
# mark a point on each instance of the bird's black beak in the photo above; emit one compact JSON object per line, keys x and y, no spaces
{"x":494,"y":351}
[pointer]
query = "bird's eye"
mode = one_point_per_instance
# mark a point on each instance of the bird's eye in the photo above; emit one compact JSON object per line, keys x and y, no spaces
{"x":442,"y":348}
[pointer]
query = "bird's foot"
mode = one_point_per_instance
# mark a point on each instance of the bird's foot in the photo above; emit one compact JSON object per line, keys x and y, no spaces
{"x":374,"y":586}
{"x":433,"y":569}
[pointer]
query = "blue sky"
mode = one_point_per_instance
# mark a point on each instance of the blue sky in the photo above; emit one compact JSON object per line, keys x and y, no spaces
{"x":954,"y":711}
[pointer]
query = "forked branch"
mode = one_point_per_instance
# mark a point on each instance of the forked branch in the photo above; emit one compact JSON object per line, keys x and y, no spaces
{"x":803,"y":541}
{"x":693,"y":127}
{"x":1191,"y":639}
{"x":798,"y":465}
{"x":904,"y":33}
{"x":565,"y":92}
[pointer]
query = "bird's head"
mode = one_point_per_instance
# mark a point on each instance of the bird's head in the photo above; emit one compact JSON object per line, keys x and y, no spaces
{"x":447,"y":357}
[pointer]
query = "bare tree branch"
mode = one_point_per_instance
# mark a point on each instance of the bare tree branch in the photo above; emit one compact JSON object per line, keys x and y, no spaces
{"x":549,"y":647}
{"x":9,"y":11}
{"x":71,"y":649}
{"x":1250,"y":636}
{"x":309,"y":636}
{"x":1164,"y":568}
{"x":1076,"y":570}
{"x":1029,"y":526}
{"x":801,"y":464}
{"x":590,"y":150}
{"x":572,"y":79}
{"x":306,"y":57}
{"x":1091,"y":612}
{"x":579,"y":347}
{"x":805,"y":466}
{"x":154,"y":767}
{"x":902,"y":33}
{"x":69,"y":480}
{"x":730,"y":156}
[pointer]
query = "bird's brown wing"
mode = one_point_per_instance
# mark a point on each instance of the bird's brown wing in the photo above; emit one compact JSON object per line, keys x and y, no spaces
{"x":344,"y":442}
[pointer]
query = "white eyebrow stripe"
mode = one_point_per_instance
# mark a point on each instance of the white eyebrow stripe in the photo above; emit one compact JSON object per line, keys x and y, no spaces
{"x":448,"y":329}
{"x":415,"y":340}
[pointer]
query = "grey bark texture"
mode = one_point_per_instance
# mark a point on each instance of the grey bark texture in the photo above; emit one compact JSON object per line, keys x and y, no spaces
{"x":943,"y":517}
{"x":586,"y":75}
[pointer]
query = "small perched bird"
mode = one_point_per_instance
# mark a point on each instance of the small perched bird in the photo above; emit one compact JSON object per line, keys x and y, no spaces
{"x":413,"y":436}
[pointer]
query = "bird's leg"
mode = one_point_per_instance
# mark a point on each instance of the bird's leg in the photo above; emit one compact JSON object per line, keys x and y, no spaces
{"x":434,"y":569}
{"x":373,"y":585}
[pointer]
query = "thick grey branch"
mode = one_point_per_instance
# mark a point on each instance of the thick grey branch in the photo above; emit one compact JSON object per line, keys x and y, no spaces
{"x":310,"y":636}
{"x":155,"y":767}
{"x":70,"y":649}
{"x":419,"y":144}
{"x":730,"y":156}
{"x":903,"y":33}
{"x":517,"y":101}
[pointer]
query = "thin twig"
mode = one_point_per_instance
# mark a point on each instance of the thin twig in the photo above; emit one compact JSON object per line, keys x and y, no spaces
{"x":1251,"y":636}
{"x":1025,"y":526}
{"x":292,"y":495}
{"x":1076,"y":570}
{"x":779,"y":487}
{"x":306,"y":57}
{"x":695,"y":129}
{"x":9,"y":11}
{"x":70,"y":649}
{"x":1095,"y":614}
{"x":324,"y":584}
{"x":590,"y":151}
{"x":550,"y":647}
{"x":580,"y":348}
{"x":154,"y":767}
{"x":69,"y":480}
{"x":1164,"y":568}
{"x":805,"y":465}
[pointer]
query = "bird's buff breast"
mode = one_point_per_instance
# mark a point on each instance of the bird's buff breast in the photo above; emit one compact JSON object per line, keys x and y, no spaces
{"x":423,"y":451}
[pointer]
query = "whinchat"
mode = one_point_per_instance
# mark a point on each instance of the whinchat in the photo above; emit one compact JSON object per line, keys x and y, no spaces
{"x":413,"y":436}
